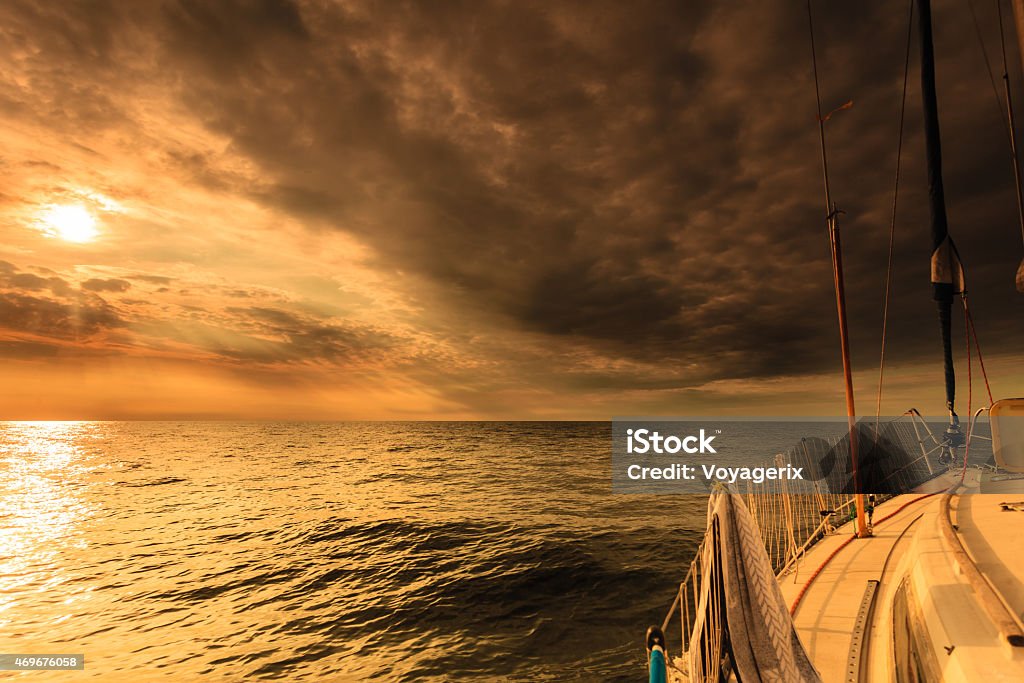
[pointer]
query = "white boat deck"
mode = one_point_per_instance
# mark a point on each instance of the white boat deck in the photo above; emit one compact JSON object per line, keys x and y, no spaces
{"x":908,"y":542}
{"x":827,"y":613}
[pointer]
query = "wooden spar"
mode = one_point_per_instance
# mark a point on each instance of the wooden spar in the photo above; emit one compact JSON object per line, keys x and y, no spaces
{"x":844,"y":343}
{"x":831,"y":214}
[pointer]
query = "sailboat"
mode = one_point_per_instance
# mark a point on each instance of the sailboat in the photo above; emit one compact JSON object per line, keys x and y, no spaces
{"x":924,"y":583}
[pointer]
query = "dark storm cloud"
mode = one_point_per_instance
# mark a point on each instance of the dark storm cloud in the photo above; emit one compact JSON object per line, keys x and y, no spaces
{"x":482,"y":158}
{"x":641,"y":180}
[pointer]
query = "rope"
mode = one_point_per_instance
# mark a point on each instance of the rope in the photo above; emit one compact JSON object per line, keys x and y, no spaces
{"x":800,"y":595}
{"x":970,"y":384}
{"x":977,"y":346}
{"x":967,"y":444}
{"x":892,"y":219}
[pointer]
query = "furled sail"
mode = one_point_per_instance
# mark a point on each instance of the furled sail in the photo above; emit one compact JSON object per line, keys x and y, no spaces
{"x":741,"y":616}
{"x":946,"y":270}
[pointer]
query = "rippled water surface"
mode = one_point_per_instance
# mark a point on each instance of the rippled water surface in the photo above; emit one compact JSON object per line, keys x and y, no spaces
{"x":342,"y":551}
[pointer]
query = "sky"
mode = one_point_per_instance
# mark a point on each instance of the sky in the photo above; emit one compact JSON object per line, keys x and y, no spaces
{"x":484,"y":210}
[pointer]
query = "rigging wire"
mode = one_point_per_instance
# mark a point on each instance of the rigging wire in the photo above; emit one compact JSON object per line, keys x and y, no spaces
{"x":977,"y":346}
{"x":1011,"y":128}
{"x":829,"y":208}
{"x":970,"y":383}
{"x":1008,"y":125}
{"x":892,"y":219}
{"x":971,"y":332}
{"x":988,"y":64}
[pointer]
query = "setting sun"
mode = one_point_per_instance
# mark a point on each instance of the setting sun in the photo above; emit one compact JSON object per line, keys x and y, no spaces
{"x":70,"y":222}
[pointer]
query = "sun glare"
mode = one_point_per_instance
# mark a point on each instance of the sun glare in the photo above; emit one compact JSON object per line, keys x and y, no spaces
{"x":70,"y":222}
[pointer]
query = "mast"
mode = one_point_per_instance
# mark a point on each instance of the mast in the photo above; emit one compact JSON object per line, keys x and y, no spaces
{"x":831,"y":219}
{"x":844,"y":344}
{"x":946,"y":271}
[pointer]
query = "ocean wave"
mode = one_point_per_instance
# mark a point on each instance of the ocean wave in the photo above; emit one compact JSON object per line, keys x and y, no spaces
{"x":412,"y":552}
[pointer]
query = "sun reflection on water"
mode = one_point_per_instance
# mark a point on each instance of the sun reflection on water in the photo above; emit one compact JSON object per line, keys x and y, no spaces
{"x":40,"y":507}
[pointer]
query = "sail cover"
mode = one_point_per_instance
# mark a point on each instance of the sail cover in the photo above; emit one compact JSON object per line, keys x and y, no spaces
{"x":757,"y":632}
{"x":947,"y":273}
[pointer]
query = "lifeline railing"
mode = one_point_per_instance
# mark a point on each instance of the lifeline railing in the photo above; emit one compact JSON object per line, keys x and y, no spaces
{"x":789,"y":524}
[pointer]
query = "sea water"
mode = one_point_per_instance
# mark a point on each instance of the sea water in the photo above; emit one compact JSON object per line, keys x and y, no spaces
{"x":408,"y":551}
